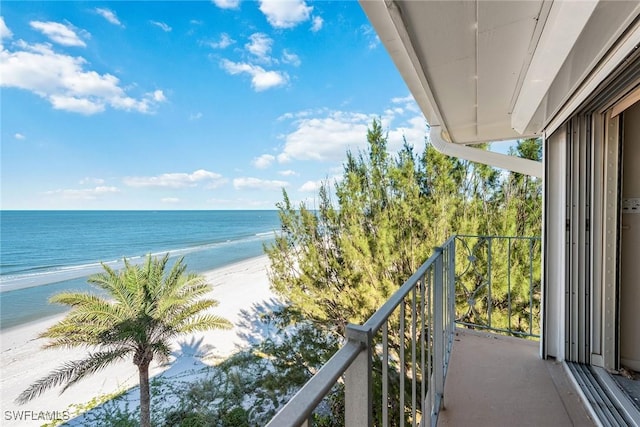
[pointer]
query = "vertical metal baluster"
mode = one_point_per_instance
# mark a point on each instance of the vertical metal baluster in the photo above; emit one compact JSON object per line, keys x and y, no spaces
{"x":423,"y":331}
{"x":452,"y":290}
{"x":445,"y":305}
{"x":385,"y":374}
{"x":489,"y":302}
{"x":402,"y":367}
{"x":414,"y":340}
{"x":509,"y":281}
{"x":530,"y":286}
{"x":428,"y":290}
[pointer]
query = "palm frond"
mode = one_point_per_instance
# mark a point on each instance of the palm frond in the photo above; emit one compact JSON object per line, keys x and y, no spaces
{"x":75,"y":299}
{"x":70,"y":335}
{"x":116,"y":285}
{"x":91,"y":308}
{"x":204,"y":322}
{"x":70,"y":373}
{"x":174,"y":279}
{"x":181,"y":313}
{"x":194,"y":287}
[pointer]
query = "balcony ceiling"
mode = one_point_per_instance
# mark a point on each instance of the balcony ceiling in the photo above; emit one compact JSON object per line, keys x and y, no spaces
{"x":494,"y":70}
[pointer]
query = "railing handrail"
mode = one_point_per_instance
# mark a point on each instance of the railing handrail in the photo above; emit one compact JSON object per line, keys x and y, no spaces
{"x":382,"y":314}
{"x":303,"y":403}
{"x":487,"y":236}
{"x":374,"y":323}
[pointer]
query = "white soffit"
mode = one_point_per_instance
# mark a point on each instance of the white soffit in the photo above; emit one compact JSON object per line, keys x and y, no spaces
{"x":462,"y":60}
{"x":504,"y":37}
{"x":565,"y":23}
{"x":435,"y":44}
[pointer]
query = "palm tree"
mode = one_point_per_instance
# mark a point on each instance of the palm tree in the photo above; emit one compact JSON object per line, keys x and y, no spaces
{"x":146,"y":308}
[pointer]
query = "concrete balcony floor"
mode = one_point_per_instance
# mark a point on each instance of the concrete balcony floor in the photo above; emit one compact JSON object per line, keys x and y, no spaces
{"x":495,"y":380}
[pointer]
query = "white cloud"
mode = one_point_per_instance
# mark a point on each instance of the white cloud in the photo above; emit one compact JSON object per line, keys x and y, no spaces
{"x":195,"y":116}
{"x":285,"y":13}
{"x":370,"y":36}
{"x":157,"y":95}
{"x":403,"y":99}
{"x":177,"y":180}
{"x":327,"y":135}
{"x":316,"y":24}
{"x":326,"y":138}
{"x":261,"y":79}
{"x":407,"y":102}
{"x":288,"y":172}
{"x":414,"y":130}
{"x":89,"y":180}
{"x":164,"y":27}
{"x":109,"y":15}
{"x":310,"y":186}
{"x":170,"y":200}
{"x":59,"y":33}
{"x":263,"y":161}
{"x":260,"y":46}
{"x":258,"y":184}
{"x":84,"y":194}
{"x":63,"y":81}
{"x":76,"y":105}
{"x":227,"y":4}
{"x":297,"y":115}
{"x":5,"y":32}
{"x":19,"y":136}
{"x":290,"y":58}
{"x":224,"y":42}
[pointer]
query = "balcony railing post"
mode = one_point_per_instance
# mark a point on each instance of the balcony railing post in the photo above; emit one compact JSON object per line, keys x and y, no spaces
{"x":438,"y":331}
{"x":452,"y":284}
{"x":358,"y":387}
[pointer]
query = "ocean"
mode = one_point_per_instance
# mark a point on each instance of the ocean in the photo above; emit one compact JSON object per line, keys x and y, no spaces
{"x":45,"y":252}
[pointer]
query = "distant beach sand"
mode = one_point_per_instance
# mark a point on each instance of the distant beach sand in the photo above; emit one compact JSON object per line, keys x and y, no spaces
{"x":242,"y":290}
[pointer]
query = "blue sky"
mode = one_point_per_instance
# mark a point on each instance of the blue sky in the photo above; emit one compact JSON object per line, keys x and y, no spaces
{"x":189,"y":105}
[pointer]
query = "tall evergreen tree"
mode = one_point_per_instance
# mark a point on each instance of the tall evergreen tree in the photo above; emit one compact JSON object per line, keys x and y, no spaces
{"x":339,"y":264}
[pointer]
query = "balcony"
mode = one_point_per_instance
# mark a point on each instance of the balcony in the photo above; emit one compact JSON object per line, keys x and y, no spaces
{"x":497,"y":380}
{"x":470,"y":315}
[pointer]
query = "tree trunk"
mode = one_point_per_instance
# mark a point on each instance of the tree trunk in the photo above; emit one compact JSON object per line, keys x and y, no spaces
{"x":145,"y":396}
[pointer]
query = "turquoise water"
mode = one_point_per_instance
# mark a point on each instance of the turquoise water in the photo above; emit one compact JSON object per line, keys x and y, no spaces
{"x":45,"y":252}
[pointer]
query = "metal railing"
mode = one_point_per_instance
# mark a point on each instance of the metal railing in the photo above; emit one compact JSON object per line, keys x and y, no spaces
{"x":400,"y":355}
{"x":498,"y":284}
{"x":392,"y":368}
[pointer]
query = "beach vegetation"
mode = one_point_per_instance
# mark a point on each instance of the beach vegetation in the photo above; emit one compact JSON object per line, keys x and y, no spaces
{"x":146,"y":307}
{"x":369,"y":231}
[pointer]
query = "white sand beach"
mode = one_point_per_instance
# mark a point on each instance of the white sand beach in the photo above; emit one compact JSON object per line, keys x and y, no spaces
{"x":240,"y":288}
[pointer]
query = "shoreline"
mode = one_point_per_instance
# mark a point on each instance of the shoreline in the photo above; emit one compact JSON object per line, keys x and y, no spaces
{"x":242,"y":290}
{"x":74,"y":284}
{"x":33,"y":322}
